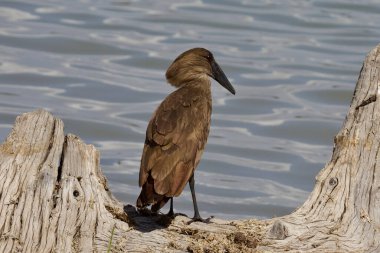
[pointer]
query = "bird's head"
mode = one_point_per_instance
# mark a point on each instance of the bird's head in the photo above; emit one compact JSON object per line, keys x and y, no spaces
{"x":196,"y":64}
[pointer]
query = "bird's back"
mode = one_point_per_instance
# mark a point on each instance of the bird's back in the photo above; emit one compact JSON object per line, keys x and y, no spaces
{"x":175,"y":139}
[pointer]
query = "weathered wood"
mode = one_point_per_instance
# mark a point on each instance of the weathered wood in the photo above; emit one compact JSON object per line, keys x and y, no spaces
{"x":343,"y":211}
{"x":54,"y":197}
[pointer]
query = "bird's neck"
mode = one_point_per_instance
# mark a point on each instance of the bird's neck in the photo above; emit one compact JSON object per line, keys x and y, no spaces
{"x":203,"y":84}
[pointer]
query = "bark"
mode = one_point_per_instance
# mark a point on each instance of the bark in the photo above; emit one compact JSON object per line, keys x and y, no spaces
{"x":54,"y":197}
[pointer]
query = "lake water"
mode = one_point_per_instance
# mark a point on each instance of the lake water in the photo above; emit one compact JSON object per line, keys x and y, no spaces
{"x":100,"y":65}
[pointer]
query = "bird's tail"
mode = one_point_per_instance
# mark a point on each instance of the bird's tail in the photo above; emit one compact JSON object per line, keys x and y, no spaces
{"x":148,"y":196}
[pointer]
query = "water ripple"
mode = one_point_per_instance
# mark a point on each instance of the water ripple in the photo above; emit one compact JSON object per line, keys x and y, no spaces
{"x":100,"y":66}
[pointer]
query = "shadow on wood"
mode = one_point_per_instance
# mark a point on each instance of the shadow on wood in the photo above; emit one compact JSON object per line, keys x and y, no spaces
{"x":146,"y":221}
{"x":54,"y":197}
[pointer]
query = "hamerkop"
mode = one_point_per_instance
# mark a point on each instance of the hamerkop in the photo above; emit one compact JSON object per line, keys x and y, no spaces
{"x":178,"y":130}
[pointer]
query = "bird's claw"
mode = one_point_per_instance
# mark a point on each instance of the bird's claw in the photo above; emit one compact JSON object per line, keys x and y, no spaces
{"x":172,"y":215}
{"x":200,"y":219}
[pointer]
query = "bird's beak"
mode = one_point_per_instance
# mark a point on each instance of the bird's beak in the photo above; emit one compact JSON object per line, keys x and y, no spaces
{"x":220,"y":77}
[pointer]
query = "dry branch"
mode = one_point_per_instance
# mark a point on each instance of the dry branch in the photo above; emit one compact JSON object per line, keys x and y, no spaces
{"x":54,"y":197}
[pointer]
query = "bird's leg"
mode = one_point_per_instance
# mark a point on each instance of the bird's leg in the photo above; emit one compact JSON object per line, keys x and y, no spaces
{"x":171,"y":211}
{"x":196,"y":212}
{"x":197,"y":216}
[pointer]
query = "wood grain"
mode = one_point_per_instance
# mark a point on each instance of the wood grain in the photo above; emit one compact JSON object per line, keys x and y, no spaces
{"x":54,"y":197}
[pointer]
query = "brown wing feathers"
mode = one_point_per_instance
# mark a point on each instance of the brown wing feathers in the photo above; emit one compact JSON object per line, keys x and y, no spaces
{"x":172,"y":148}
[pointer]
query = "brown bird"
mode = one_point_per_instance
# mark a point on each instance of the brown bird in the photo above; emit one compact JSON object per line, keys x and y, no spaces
{"x":178,"y":130}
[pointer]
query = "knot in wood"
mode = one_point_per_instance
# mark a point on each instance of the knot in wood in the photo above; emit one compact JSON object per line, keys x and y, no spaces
{"x":333,"y":181}
{"x":76,"y":193}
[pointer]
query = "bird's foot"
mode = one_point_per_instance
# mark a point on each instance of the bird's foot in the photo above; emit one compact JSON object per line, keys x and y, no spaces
{"x":200,"y":219}
{"x":172,"y":215}
{"x":181,"y":214}
{"x":166,"y":219}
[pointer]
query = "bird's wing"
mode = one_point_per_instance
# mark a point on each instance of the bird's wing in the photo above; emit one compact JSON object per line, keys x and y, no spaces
{"x":175,"y":139}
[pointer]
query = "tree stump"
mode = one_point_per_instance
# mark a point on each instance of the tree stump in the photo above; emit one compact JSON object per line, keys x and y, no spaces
{"x":54,"y":197}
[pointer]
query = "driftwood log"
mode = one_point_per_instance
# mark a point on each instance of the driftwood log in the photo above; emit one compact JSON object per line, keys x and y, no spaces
{"x":54,"y":197}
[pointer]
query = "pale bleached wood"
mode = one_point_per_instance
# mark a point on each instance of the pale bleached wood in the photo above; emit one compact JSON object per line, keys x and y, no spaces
{"x":27,"y":181}
{"x":342,"y":214}
{"x":54,"y":197}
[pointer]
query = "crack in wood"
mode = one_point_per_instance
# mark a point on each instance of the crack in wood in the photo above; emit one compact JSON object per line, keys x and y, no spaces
{"x":349,"y":224}
{"x":60,"y":166}
{"x":371,"y":99}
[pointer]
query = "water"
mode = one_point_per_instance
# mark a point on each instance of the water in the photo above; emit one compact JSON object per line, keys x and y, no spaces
{"x":99,"y":65}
